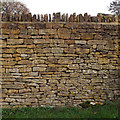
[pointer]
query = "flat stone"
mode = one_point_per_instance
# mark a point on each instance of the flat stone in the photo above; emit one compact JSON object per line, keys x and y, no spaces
{"x":69,"y":41}
{"x":14,"y":41}
{"x":94,"y":42}
{"x":39,"y":68}
{"x":24,"y":50}
{"x":82,"y":50}
{"x":69,"y":50}
{"x":86,"y":36}
{"x":65,"y":61}
{"x":57,"y":50}
{"x":25,"y":69}
{"x":80,"y":42}
{"x":33,"y":73}
{"x":73,"y":66}
{"x":64,"y":33}
{"x":15,"y":31}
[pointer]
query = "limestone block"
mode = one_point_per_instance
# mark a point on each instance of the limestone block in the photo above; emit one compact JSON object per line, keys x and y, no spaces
{"x":42,"y":65}
{"x":51,"y":60}
{"x":51,"y":65}
{"x":6,"y":55}
{"x":82,"y":50}
{"x":57,"y":41}
{"x":65,"y":61}
{"x":24,"y":62}
{"x":94,"y":46}
{"x":12,"y":91}
{"x":25,"y":69}
{"x":24,"y":50}
{"x":25,"y":90}
{"x":75,"y":36}
{"x":9,"y":100}
{"x":73,"y":66}
{"x":51,"y":31}
{"x":42,"y":32}
{"x":86,"y":36}
{"x":69,"y":50}
{"x":14,"y":41}
{"x":100,"y":47}
{"x":62,"y":69}
{"x":16,"y":55}
{"x":3,"y":70}
{"x":16,"y":74}
{"x":37,"y":61}
{"x":69,"y":41}
{"x":8,"y":50}
{"x":8,"y":63}
{"x":69,"y":71}
{"x":31,"y":100}
{"x":2,"y":44}
{"x":95,"y":42}
{"x":80,"y":42}
{"x":20,"y":100}
{"x":33,"y":74}
{"x":57,"y":50}
{"x":28,"y":41}
{"x":24,"y":55}
{"x":31,"y":46}
{"x":15,"y":31}
{"x":50,"y":69}
{"x":47,"y":50}
{"x":75,"y":74}
{"x":64,"y":33}
{"x":53,"y":82}
{"x":87,"y":71}
{"x":5,"y":31}
{"x":39,"y":68}
{"x":65,"y":74}
{"x":16,"y":46}
{"x":34,"y":90}
{"x":98,"y":37}
{"x":57,"y":25}
{"x":18,"y":58}
{"x":48,"y":25}
{"x":103,"y":60}
{"x":12,"y":70}
{"x":47,"y":88}
{"x":21,"y":26}
{"x":33,"y":32}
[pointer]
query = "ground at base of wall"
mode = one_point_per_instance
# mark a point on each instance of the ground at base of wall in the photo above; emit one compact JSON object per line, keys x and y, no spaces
{"x":108,"y":110}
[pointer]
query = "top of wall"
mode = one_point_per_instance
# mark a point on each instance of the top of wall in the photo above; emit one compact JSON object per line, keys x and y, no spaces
{"x":57,"y":17}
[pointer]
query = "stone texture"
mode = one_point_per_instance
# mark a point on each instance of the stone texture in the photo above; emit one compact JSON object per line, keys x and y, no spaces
{"x":69,"y":42}
{"x":80,"y":41}
{"x":82,"y":51}
{"x":86,"y":36}
{"x":24,"y":50}
{"x":59,"y":64}
{"x":64,"y":33}
{"x":94,"y":42}
{"x":39,"y":69}
{"x":14,"y":41}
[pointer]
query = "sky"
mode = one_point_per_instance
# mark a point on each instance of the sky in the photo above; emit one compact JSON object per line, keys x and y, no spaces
{"x":92,"y":7}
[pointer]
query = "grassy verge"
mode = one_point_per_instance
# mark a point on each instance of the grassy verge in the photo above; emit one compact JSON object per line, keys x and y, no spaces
{"x":108,"y":110}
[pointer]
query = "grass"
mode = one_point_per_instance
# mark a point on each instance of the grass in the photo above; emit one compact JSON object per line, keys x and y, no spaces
{"x":108,"y":110}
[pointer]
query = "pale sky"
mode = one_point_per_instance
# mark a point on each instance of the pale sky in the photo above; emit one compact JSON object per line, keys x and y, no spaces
{"x":92,"y":7}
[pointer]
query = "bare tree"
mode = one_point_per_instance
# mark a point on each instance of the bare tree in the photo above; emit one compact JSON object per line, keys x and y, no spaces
{"x":13,"y":7}
{"x":115,"y":7}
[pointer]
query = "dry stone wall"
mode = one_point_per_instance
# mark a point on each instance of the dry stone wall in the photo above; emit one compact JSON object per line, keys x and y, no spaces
{"x":59,"y":63}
